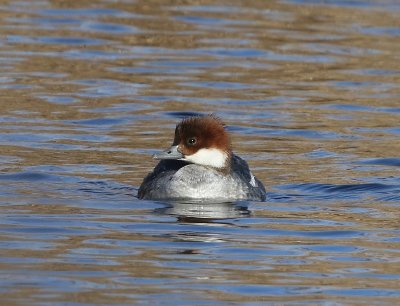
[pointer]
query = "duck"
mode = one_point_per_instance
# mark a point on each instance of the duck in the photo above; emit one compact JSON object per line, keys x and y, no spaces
{"x":200,"y":165}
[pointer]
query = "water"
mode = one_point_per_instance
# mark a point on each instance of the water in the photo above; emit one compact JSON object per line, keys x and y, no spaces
{"x":309,"y":91}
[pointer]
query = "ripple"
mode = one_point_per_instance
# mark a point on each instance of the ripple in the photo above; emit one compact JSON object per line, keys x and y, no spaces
{"x":381,"y":31}
{"x":83,"y":12}
{"x":267,"y":55}
{"x":222,"y":85}
{"x":59,"y":99}
{"x":37,"y":138}
{"x":155,"y":70}
{"x":181,"y":115}
{"x":91,"y":89}
{"x":29,"y":176}
{"x":395,"y":162}
{"x":387,"y":4}
{"x":71,"y":41}
{"x":363,"y":292}
{"x":311,"y":134}
{"x":107,"y":88}
{"x":108,"y":28}
{"x":345,"y":187}
{"x":101,"y":121}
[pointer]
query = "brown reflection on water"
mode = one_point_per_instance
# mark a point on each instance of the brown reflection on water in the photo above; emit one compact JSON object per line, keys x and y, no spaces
{"x":90,"y":89}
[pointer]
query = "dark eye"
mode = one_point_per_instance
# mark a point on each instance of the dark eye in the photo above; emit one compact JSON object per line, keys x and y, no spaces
{"x":191,"y":141}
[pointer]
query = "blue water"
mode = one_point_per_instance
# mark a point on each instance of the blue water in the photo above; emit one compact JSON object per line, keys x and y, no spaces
{"x":309,"y":91}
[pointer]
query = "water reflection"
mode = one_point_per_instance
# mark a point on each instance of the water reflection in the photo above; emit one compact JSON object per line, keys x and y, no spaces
{"x":201,"y":220}
{"x":89,"y":89}
{"x":205,"y":212}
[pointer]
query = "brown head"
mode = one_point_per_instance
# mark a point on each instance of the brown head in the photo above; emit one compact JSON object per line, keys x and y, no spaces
{"x":200,"y":140}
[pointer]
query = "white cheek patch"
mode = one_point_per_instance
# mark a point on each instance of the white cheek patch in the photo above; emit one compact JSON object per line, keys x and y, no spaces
{"x":208,"y":157}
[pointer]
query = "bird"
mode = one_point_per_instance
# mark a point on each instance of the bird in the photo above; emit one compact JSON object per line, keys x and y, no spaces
{"x":200,"y":165}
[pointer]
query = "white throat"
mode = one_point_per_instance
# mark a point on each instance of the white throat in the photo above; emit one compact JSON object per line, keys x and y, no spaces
{"x":208,"y":157}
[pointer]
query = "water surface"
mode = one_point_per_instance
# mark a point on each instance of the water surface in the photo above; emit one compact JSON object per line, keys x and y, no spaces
{"x":310,"y":93}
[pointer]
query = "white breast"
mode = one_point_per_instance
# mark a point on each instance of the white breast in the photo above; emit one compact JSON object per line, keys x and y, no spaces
{"x":198,"y":182}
